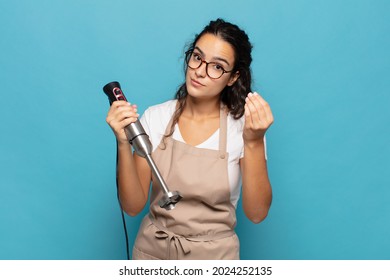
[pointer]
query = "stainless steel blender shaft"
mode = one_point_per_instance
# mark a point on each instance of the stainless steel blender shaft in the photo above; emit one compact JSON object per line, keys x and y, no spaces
{"x":143,"y":147}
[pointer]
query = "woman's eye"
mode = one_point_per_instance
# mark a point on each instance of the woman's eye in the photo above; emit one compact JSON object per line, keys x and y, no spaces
{"x":197,"y":57}
{"x":218,"y":67}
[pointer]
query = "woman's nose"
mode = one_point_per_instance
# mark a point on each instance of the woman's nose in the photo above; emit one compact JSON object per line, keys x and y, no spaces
{"x":201,"y":71}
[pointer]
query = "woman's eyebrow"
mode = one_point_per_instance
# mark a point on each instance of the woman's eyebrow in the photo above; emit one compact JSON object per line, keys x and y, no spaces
{"x":214,"y":58}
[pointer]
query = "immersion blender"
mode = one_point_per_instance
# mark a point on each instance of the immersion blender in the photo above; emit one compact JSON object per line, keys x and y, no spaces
{"x":143,"y":147}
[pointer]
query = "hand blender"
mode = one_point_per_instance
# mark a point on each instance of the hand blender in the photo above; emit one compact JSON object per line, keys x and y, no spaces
{"x":143,"y":147}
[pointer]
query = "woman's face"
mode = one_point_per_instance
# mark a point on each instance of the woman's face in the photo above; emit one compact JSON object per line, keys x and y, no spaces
{"x":211,"y":48}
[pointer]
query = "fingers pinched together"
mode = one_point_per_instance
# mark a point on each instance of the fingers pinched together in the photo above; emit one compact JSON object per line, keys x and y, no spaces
{"x":258,"y":117}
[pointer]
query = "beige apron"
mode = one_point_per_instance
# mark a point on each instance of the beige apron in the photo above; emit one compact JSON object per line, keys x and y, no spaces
{"x":202,"y":224}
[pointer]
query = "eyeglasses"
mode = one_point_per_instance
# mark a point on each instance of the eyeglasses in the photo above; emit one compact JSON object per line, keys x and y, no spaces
{"x":213,"y":69}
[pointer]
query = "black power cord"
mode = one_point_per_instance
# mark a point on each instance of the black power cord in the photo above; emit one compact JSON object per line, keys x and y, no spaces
{"x":111,"y":98}
{"x":120,"y":205}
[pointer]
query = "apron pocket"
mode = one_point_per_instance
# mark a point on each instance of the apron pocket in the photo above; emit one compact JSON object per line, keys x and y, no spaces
{"x":227,"y":248}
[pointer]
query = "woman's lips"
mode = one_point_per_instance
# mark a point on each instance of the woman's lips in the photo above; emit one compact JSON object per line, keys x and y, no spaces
{"x":195,"y":83}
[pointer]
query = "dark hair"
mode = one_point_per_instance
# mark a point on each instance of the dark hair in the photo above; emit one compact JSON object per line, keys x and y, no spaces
{"x":232,"y":96}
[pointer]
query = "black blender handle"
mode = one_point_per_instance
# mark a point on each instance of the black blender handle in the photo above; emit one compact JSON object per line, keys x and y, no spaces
{"x":114,"y":92}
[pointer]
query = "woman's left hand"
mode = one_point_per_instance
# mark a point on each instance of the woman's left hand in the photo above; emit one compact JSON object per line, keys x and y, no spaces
{"x":258,"y":117}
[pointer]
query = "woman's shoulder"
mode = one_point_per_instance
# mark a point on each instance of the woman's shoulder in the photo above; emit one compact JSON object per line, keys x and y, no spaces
{"x":160,"y":113}
{"x":157,"y":117}
{"x":167,"y":107}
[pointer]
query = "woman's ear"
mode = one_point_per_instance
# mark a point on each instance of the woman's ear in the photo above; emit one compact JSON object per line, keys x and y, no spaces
{"x":233,"y":78}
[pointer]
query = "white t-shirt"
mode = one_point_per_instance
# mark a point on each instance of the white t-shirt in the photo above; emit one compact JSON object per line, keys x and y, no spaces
{"x":155,"y":121}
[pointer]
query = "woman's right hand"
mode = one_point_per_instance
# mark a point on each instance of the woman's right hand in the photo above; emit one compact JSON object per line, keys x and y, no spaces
{"x":120,"y":115}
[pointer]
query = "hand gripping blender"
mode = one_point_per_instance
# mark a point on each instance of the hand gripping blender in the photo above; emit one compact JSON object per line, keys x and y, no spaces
{"x":143,"y":147}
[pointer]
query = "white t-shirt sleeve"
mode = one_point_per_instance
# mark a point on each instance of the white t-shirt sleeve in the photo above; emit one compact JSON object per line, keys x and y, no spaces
{"x":145,"y":121}
{"x":155,"y":120}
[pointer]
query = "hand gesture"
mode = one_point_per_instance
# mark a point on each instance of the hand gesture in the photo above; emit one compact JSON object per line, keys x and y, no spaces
{"x":258,"y":117}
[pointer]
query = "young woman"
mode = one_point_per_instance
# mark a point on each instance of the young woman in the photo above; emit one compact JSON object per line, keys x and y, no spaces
{"x":206,"y":141}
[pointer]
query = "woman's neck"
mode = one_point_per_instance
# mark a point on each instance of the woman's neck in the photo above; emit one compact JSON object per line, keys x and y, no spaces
{"x":201,"y":109}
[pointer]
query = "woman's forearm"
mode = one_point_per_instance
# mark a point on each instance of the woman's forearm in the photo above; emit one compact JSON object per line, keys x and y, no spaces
{"x":257,"y":192}
{"x":132,"y":194}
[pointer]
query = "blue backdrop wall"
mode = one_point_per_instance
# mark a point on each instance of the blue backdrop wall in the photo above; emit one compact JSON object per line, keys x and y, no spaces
{"x":324,"y":67}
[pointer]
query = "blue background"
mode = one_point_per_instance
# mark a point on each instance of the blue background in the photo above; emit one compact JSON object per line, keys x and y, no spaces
{"x":322,"y":65}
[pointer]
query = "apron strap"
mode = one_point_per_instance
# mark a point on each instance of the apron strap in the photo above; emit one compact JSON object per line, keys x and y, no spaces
{"x":223,"y":132}
{"x":162,"y":144}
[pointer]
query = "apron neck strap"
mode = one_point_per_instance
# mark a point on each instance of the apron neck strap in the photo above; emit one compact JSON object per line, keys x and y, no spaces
{"x":223,"y":130}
